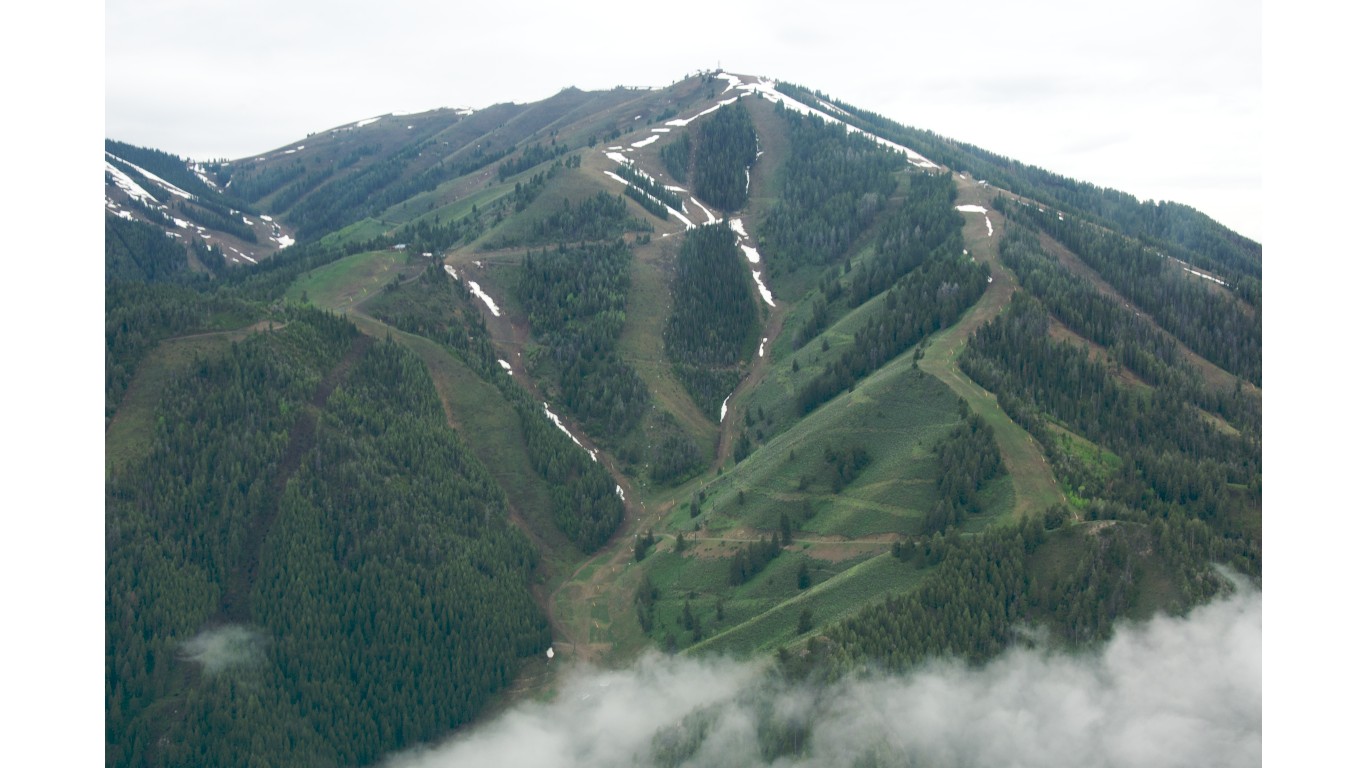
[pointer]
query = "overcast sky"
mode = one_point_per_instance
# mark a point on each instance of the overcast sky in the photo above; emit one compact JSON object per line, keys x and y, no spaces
{"x":1161,"y":99}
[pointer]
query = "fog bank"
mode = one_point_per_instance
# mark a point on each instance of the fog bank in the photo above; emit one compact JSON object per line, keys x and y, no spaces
{"x":1168,"y":692}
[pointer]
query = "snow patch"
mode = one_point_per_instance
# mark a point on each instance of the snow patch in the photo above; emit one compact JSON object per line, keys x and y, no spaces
{"x":645,"y":142}
{"x":551,"y":415}
{"x":739,"y":227}
{"x":284,"y":240}
{"x":617,"y":156}
{"x":487,"y":299}
{"x":367,"y":121}
{"x":683,"y":122}
{"x":977,"y":209}
{"x":451,"y":271}
{"x":617,"y":178}
{"x":125,"y":182}
{"x":266,"y":218}
{"x":621,"y":494}
{"x":710,"y":218}
{"x":661,"y":130}
{"x":763,"y":289}
{"x":168,"y":186}
{"x":751,"y":253}
{"x":762,"y":342}
{"x":506,"y":366}
{"x":723,"y":407}
{"x":765,"y":89}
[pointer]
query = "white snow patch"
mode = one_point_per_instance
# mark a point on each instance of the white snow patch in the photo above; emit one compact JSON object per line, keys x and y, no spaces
{"x":451,"y":271}
{"x":762,"y":342}
{"x":731,"y":80}
{"x":125,"y":182}
{"x":183,"y":224}
{"x":487,"y":299}
{"x":1207,"y":277}
{"x":506,"y":366}
{"x":614,"y":147}
{"x":367,"y":121}
{"x":199,"y":171}
{"x":618,"y":178}
{"x":290,"y":151}
{"x":710,"y":218}
{"x":248,"y":258}
{"x":682,"y":122}
{"x":977,"y":209}
{"x":672,"y":188}
{"x":766,"y":89}
{"x":723,"y":407}
{"x":763,"y":289}
{"x":285,"y":241}
{"x":645,"y":142}
{"x":168,"y":186}
{"x":751,"y":253}
{"x":266,"y":218}
{"x":661,"y":130}
{"x":247,"y":221}
{"x":550,"y":415}
{"x":989,"y":278}
{"x":617,"y":156}
{"x":739,"y":227}
{"x":621,"y":494}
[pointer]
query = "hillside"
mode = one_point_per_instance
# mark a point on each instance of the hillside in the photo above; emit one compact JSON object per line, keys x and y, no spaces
{"x":408,"y":415}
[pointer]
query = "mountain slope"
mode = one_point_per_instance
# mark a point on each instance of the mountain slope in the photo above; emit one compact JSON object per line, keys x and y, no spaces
{"x":726,"y":366}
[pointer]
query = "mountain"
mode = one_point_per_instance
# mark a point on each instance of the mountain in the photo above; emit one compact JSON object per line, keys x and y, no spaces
{"x":726,"y":367}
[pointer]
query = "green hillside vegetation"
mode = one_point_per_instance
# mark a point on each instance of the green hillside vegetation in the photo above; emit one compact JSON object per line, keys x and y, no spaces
{"x":339,"y":466}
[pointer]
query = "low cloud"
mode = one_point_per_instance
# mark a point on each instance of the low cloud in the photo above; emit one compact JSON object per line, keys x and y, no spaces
{"x":226,"y":647}
{"x":1167,"y":692}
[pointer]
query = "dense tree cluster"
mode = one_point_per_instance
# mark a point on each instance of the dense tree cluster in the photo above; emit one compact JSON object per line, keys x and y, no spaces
{"x":714,"y":319}
{"x":1171,"y":460}
{"x":834,"y":183}
{"x":150,"y":295}
{"x":725,"y":149}
{"x":584,"y":504}
{"x":600,"y":217}
{"x":575,"y":299}
{"x":352,"y":531}
{"x":1129,"y":340}
{"x":677,"y":157}
{"x":968,"y":458}
{"x":1214,"y":325}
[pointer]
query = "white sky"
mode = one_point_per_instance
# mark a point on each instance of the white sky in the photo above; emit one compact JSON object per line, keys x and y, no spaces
{"x":1161,"y":99}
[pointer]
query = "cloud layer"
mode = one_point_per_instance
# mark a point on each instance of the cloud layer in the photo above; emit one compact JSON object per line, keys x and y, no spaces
{"x":1169,"y":692}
